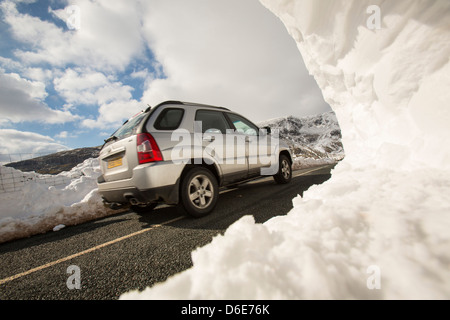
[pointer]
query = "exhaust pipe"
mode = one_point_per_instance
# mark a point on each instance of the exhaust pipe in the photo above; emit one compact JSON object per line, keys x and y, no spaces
{"x":114,"y":205}
{"x":134,"y":201}
{"x":117,"y":206}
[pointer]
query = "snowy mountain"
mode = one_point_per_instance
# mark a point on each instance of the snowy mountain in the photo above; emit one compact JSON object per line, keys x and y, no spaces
{"x":56,"y":163}
{"x":313,"y":140}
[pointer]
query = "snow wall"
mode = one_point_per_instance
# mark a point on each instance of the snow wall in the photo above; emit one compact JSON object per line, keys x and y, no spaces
{"x":32,"y":203}
{"x":379,"y":228}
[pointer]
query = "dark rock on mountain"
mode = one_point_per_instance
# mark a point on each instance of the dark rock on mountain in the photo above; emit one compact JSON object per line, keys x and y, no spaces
{"x":56,"y":162}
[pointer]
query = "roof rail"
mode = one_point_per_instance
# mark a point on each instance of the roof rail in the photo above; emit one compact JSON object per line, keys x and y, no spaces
{"x":190,"y":104}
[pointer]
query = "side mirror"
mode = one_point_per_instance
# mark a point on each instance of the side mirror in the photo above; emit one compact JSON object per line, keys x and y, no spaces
{"x":267,"y":130}
{"x":209,"y":134}
{"x":213,"y":131}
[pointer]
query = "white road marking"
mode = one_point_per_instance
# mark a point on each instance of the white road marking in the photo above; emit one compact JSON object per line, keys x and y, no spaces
{"x":312,"y":170}
{"x":294,"y":174}
{"x":50,"y":264}
{"x":227,"y":190}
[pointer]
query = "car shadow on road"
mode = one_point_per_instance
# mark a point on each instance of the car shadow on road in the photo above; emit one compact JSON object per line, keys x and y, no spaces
{"x":263,"y":199}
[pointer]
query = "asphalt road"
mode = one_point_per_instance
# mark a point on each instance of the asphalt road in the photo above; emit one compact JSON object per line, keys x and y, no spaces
{"x":129,"y":251}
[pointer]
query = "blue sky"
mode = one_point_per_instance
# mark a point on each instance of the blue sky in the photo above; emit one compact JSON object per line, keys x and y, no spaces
{"x":72,"y":72}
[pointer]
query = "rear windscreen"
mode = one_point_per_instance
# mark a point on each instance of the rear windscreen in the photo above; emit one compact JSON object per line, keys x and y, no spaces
{"x":128,"y":127}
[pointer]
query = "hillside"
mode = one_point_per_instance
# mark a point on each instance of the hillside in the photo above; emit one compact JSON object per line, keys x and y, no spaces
{"x":313,"y":140}
{"x":56,"y":162}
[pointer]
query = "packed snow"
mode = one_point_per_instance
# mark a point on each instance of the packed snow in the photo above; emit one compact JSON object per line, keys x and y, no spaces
{"x":379,"y":228}
{"x":39,"y":203}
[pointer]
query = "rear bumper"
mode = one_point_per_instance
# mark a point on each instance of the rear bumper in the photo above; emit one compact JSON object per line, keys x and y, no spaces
{"x":154,"y":182}
{"x":166,"y":194}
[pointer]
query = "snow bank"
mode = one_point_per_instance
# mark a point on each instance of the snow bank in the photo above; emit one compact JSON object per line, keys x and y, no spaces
{"x":36,"y":207}
{"x":379,"y":227}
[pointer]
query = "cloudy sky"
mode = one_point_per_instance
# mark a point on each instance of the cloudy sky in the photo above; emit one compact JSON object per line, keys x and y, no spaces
{"x":72,"y":71}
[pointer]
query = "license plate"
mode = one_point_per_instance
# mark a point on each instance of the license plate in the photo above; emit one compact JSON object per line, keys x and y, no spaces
{"x":114,"y":163}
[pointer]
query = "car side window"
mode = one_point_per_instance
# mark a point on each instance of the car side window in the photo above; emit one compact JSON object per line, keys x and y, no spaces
{"x":169,"y":119}
{"x":242,"y":125}
{"x":212,"y":120}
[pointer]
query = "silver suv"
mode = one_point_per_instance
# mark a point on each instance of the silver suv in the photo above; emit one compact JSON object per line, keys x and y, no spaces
{"x":181,"y":153}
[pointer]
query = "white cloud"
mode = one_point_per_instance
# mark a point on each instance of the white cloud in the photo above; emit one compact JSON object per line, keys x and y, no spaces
{"x":38,"y":74}
{"x":141,"y":74}
{"x":80,"y":86}
{"x":232,"y":53}
{"x":32,"y":73}
{"x":21,"y":100}
{"x":112,"y":114}
{"x":35,"y":89}
{"x":114,"y":92}
{"x":21,"y":142}
{"x":114,"y":99}
{"x":62,"y":135}
{"x":10,"y":63}
{"x":108,"y":39}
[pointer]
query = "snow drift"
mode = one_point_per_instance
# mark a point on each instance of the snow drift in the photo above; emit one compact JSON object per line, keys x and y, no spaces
{"x":387,"y":206}
{"x":34,"y":206}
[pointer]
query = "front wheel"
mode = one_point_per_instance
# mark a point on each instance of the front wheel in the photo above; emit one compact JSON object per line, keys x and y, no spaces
{"x":199,"y":192}
{"x":284,"y":174}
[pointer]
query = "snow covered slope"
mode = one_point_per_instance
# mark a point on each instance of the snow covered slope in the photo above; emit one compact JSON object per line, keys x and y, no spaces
{"x":313,"y":140}
{"x":32,"y":203}
{"x":379,"y":227}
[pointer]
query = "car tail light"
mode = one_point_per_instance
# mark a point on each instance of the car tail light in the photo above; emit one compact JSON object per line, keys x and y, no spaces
{"x":147,"y":149}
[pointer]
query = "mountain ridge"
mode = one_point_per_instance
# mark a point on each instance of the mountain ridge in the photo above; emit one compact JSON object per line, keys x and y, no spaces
{"x":313,"y":140}
{"x":56,"y":162}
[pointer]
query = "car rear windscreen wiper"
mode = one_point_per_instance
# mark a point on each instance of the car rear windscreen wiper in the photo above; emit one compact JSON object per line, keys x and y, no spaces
{"x":112,"y":138}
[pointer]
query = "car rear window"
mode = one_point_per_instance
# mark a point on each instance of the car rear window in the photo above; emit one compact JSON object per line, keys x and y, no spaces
{"x":129,"y":126}
{"x":169,"y":119}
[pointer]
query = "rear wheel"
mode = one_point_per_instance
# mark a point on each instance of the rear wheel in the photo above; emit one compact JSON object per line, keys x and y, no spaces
{"x":199,"y":192}
{"x":284,"y":174}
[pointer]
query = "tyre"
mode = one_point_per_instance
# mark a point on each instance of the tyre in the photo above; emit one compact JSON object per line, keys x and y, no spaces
{"x":199,"y":192}
{"x":284,"y":174}
{"x":144,"y":208}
